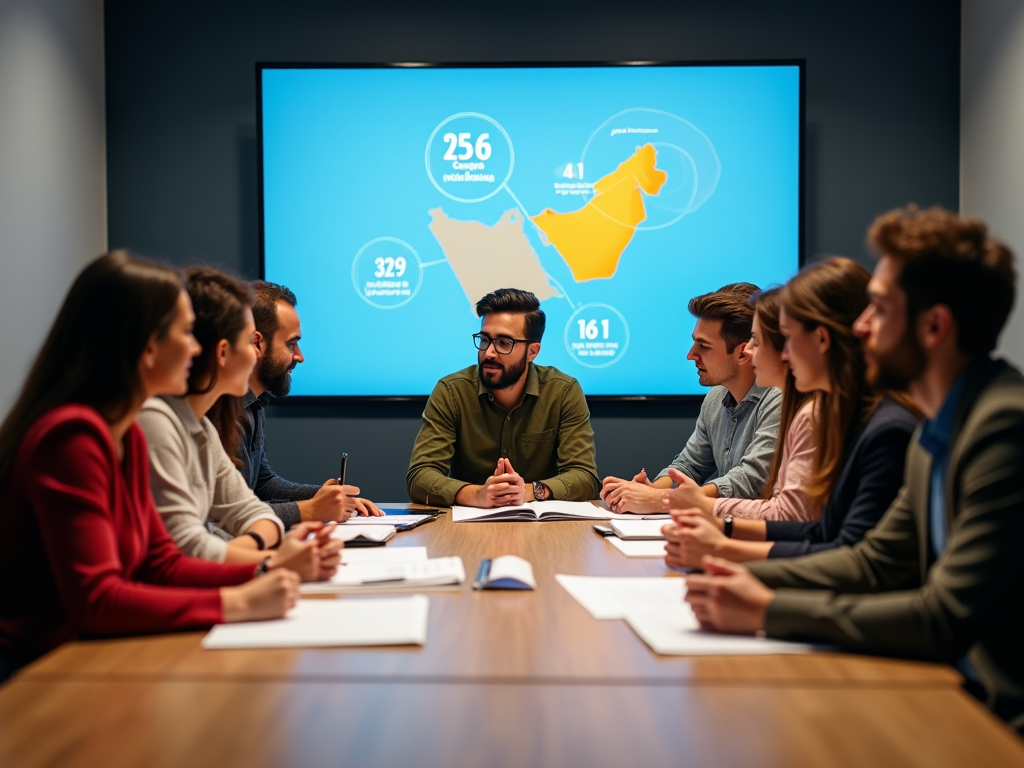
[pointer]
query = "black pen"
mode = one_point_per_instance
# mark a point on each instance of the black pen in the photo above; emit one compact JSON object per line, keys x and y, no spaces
{"x":344,"y":467}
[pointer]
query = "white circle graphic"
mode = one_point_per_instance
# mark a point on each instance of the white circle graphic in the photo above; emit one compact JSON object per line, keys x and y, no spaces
{"x":366,"y":250}
{"x":511,"y":158}
{"x":595,"y":352}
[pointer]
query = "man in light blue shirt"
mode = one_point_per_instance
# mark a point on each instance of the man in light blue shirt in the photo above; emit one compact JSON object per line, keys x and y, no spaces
{"x":731,"y":448}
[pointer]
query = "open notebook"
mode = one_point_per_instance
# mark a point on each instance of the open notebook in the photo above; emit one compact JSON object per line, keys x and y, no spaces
{"x":538,"y":511}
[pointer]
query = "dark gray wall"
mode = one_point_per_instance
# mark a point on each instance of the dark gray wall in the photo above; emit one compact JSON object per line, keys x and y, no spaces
{"x":882,"y":130}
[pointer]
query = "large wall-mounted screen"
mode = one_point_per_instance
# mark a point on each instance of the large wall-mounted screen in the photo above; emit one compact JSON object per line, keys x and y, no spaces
{"x":393,"y":198}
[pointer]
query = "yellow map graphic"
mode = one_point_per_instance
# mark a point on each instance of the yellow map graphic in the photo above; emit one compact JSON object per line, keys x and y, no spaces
{"x":592,"y":239}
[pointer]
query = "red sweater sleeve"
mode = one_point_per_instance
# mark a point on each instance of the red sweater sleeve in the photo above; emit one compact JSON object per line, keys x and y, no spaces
{"x":88,"y":522}
{"x":166,"y":564}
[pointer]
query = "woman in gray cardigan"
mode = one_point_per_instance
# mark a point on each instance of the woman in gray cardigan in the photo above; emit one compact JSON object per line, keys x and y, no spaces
{"x":204,"y":501}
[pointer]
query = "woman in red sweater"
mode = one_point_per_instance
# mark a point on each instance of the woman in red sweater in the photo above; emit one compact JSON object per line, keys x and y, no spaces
{"x":82,"y":549}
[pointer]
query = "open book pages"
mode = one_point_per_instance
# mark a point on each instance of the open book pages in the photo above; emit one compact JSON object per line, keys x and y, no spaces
{"x":642,"y":548}
{"x":610,"y":597}
{"x":675,"y":631}
{"x":348,"y":533}
{"x":384,"y":555}
{"x":639,"y":529}
{"x":507,"y":572}
{"x":538,"y":510}
{"x":327,"y":623}
{"x":403,"y":576}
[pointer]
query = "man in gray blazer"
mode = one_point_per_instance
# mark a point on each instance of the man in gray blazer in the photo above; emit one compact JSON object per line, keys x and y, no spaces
{"x":942,"y":575}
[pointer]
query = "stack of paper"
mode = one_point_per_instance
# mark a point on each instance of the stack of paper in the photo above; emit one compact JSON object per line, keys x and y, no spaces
{"x":655,"y":609}
{"x":391,"y":575}
{"x":641,"y":548}
{"x":639,"y":530}
{"x":325,"y":623}
{"x":675,"y":631}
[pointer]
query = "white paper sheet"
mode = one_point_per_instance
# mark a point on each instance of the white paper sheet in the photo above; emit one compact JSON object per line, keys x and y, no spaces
{"x":675,"y":631}
{"x":406,"y":575}
{"x":329,"y":623}
{"x":383,"y":555}
{"x":641,"y":548}
{"x":639,"y":529}
{"x":609,"y":597}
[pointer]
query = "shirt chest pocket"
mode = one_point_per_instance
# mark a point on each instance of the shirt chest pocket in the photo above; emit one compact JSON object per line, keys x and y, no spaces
{"x":529,"y":441}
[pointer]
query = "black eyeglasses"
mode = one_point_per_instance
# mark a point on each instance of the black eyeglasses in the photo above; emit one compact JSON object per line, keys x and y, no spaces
{"x":503,"y":345}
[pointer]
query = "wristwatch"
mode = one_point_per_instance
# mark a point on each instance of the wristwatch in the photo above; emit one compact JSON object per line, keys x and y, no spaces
{"x":727,"y":526}
{"x":540,"y":491}
{"x":263,"y":567}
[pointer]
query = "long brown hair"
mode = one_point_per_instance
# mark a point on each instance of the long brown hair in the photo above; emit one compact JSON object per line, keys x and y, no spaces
{"x":766,"y":307}
{"x":91,"y":354}
{"x":219,"y":302}
{"x":832,"y":294}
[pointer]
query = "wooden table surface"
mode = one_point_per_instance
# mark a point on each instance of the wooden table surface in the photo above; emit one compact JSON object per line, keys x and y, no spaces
{"x":451,"y":725}
{"x":505,"y":679}
{"x":524,"y":636}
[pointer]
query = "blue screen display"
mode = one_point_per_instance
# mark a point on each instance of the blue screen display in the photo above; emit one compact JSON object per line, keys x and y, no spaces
{"x":395,"y":197}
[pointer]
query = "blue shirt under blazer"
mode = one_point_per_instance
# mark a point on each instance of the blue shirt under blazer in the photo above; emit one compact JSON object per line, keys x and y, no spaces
{"x":867,"y":484}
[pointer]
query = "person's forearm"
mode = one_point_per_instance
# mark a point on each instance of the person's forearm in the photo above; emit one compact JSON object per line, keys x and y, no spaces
{"x":663,"y":482}
{"x":743,"y":551}
{"x":275,"y":488}
{"x":750,"y":530}
{"x":267,"y":530}
{"x":468,"y":496}
{"x":711,"y":491}
{"x":243,"y":550}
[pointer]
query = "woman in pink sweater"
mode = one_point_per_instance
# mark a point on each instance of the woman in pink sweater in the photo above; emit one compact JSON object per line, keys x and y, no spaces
{"x":785,"y":496}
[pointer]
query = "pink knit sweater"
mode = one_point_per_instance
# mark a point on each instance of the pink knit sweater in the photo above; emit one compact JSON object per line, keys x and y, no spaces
{"x":788,"y":501}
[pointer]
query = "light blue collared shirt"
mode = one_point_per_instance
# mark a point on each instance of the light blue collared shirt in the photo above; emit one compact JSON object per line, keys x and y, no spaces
{"x":733,"y":443}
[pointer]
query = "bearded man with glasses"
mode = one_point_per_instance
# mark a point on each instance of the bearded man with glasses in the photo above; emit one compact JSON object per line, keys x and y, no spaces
{"x":505,"y":431}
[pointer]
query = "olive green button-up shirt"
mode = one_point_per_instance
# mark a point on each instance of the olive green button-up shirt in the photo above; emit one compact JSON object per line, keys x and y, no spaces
{"x":546,"y":437}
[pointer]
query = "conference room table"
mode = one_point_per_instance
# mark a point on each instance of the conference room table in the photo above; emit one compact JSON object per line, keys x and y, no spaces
{"x":506,"y":678}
